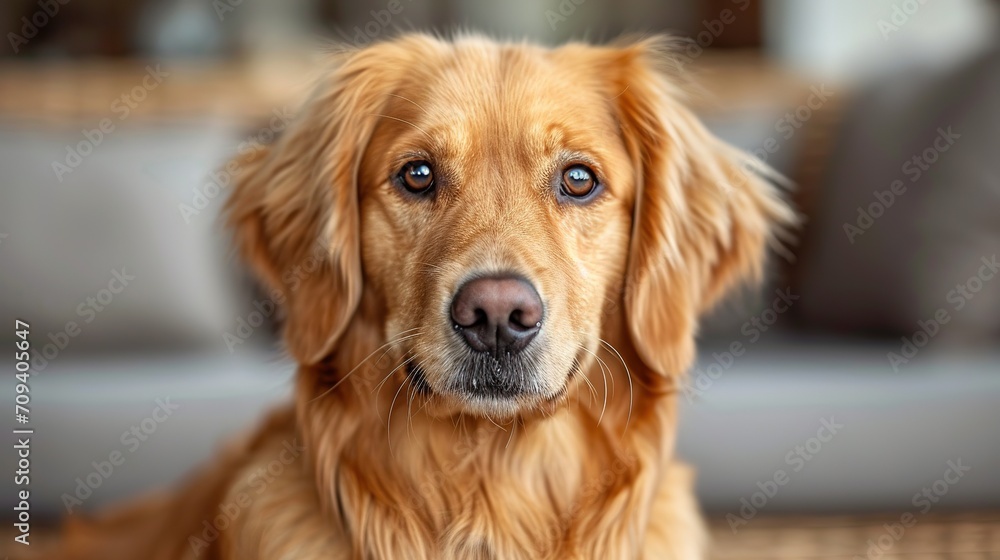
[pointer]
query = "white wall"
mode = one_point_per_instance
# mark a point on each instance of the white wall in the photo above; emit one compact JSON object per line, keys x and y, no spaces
{"x":847,"y":40}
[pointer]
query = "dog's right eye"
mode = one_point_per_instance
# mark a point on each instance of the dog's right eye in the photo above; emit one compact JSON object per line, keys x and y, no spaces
{"x":417,"y":177}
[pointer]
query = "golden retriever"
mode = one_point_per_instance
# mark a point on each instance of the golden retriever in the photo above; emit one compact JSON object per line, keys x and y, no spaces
{"x":491,"y":260}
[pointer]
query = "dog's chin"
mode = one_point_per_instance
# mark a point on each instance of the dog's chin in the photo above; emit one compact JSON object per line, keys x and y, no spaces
{"x":498,"y":395}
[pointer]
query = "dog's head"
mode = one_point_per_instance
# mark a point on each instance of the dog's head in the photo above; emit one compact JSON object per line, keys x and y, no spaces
{"x":489,"y":206}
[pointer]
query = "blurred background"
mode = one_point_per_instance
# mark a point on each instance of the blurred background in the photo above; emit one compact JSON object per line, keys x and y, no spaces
{"x":860,"y":385}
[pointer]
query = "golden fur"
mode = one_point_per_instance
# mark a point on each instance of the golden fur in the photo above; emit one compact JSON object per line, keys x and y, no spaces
{"x":386,"y":470}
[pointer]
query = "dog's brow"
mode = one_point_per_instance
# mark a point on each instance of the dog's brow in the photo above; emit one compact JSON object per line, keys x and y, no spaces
{"x":422,"y":131}
{"x":418,"y":106}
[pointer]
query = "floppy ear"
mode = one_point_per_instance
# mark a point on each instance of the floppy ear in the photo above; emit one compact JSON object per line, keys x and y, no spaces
{"x":703,"y":213}
{"x":294,"y":207}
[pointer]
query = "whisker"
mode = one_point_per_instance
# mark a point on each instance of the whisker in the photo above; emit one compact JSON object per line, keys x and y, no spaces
{"x":602,"y":365}
{"x":382,"y":383}
{"x":620,"y":94}
{"x":388,"y":420}
{"x":414,"y":335}
{"x":410,"y":393}
{"x":432,"y":269}
{"x":397,"y":340}
{"x":513,"y":428}
{"x":605,"y":363}
{"x":494,"y":423}
{"x":432,"y":265}
{"x":427,"y":400}
{"x":628,"y":376}
{"x":388,"y":375}
{"x":583,"y":374}
{"x":423,"y":406}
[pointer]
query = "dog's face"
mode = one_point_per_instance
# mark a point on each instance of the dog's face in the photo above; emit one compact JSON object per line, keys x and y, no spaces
{"x":495,"y":202}
{"x":491,"y":205}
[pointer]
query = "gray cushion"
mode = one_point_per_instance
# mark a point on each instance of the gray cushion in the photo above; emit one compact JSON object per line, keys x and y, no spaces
{"x":116,"y":214}
{"x":904,"y":266}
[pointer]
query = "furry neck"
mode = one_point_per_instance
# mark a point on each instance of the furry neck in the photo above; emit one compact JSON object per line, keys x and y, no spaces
{"x":398,"y":481}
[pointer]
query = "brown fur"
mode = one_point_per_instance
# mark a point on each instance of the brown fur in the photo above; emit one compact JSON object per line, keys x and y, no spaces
{"x":584,"y":471}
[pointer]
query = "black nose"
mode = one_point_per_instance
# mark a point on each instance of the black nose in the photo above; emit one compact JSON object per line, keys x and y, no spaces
{"x":497,"y":314}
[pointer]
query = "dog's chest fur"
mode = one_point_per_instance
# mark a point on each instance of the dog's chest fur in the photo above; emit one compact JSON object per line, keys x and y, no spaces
{"x":481,"y":493}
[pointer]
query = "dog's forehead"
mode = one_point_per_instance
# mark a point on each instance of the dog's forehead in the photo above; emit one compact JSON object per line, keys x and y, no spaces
{"x":482,"y":97}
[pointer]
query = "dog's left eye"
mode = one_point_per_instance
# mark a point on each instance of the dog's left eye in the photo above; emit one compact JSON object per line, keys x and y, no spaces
{"x":578,"y":181}
{"x":417,"y":177}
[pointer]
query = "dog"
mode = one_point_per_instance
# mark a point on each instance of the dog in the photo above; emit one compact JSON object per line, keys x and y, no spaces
{"x":491,"y":260}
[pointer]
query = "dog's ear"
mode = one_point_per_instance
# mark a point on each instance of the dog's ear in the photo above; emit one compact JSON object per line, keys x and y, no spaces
{"x":294,"y":206}
{"x":703,"y":214}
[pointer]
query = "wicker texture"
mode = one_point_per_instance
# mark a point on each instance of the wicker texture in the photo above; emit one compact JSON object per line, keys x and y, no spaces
{"x":944,"y":536}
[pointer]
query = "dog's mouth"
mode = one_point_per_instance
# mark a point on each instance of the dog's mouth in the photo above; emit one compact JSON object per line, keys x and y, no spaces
{"x":502,"y":377}
{"x":482,"y":376}
{"x":482,"y":383}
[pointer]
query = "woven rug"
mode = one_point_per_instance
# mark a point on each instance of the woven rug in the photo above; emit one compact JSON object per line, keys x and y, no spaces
{"x":935,"y":536}
{"x":945,"y":536}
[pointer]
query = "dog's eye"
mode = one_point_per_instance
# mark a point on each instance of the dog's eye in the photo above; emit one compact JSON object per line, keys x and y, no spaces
{"x":417,"y":177}
{"x":578,"y":181}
